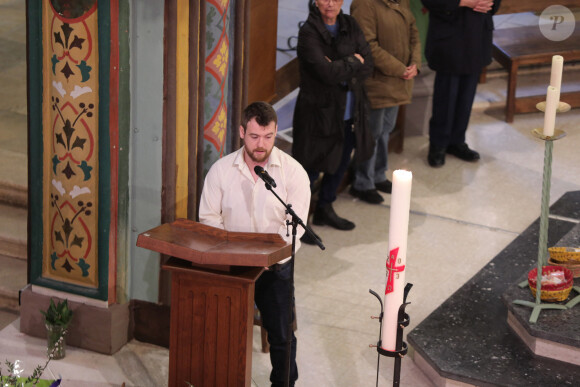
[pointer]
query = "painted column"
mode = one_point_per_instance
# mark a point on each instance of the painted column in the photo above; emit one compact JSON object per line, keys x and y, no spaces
{"x":217,"y":77}
{"x":72,"y":172}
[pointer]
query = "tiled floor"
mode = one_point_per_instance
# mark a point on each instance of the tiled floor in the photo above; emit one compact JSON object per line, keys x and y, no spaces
{"x":462,"y":215}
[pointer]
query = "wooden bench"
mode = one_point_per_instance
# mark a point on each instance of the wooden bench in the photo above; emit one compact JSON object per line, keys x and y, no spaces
{"x":515,"y":47}
{"x":519,"y":46}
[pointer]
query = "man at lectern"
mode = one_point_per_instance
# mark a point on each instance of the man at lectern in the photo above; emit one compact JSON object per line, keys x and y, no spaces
{"x":234,"y":198}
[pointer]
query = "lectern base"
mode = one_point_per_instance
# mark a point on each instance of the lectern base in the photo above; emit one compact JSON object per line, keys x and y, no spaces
{"x":212,"y":315}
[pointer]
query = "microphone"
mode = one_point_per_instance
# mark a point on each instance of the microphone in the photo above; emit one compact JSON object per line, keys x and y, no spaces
{"x":262,"y":174}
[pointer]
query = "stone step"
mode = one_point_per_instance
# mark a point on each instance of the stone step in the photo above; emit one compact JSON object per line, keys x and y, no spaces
{"x":13,"y":248}
{"x":13,"y":178}
{"x":13,"y":195}
{"x":7,"y":317}
{"x":13,"y":277}
{"x":13,"y":255}
{"x":13,"y":231}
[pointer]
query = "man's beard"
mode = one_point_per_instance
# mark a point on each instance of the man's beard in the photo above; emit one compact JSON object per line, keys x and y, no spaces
{"x":258,"y":159}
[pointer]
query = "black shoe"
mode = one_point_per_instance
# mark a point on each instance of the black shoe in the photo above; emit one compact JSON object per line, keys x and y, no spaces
{"x":384,"y":186}
{"x":370,"y":196}
{"x":326,"y":215}
{"x":463,"y":152}
{"x":436,"y":157}
{"x":309,"y":239}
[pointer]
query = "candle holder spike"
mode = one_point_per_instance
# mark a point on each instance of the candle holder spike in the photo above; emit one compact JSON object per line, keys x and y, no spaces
{"x":558,"y":134}
{"x":401,"y":347}
{"x":563,"y":107}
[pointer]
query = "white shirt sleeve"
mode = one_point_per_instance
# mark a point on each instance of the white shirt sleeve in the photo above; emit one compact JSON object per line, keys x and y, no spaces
{"x":298,"y":194}
{"x":210,"y":212}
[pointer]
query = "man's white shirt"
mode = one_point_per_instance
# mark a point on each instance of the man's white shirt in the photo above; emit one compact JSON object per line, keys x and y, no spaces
{"x":233,"y":201}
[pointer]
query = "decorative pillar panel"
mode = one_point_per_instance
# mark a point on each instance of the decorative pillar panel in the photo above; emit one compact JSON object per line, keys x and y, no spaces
{"x":70,"y":146}
{"x":217,"y":79}
{"x":71,"y":181}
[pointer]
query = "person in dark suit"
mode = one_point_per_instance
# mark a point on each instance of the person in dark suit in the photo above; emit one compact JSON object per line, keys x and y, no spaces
{"x":458,"y":47}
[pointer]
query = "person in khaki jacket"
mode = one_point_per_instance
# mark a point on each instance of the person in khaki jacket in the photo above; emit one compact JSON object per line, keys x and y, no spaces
{"x":389,"y":27}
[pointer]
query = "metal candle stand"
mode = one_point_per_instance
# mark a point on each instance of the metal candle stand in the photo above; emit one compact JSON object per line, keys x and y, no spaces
{"x":400,"y":345}
{"x":538,"y":306}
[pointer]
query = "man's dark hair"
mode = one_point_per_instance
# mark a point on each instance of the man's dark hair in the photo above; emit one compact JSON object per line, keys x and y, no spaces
{"x":263,"y":112}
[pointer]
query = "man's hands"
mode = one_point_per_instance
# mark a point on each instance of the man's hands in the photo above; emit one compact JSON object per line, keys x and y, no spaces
{"x":482,"y":6}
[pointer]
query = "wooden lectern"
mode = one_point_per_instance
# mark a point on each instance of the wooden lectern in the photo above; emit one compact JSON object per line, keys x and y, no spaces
{"x":212,"y":298}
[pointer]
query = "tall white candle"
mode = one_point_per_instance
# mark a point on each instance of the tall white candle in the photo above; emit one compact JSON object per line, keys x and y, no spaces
{"x":550,"y":112}
{"x":398,"y":231}
{"x":556,"y":74}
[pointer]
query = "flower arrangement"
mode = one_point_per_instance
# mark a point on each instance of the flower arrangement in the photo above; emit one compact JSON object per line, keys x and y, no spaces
{"x":56,"y":320}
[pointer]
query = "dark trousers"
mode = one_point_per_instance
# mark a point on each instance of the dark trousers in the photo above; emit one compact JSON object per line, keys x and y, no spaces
{"x":272,"y":297}
{"x":331,"y":181}
{"x":453,"y":97}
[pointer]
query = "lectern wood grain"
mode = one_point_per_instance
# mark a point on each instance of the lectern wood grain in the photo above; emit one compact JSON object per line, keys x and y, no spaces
{"x":206,"y":245}
{"x":211,"y":326}
{"x":212,"y":311}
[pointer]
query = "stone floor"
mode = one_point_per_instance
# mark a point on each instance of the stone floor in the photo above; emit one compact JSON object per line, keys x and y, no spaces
{"x":462,"y":216}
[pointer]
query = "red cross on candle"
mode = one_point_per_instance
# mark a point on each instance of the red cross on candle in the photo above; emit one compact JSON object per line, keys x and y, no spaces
{"x":392,"y":269}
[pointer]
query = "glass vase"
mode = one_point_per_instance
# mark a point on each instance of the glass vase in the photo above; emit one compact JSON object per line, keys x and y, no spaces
{"x":56,"y":341}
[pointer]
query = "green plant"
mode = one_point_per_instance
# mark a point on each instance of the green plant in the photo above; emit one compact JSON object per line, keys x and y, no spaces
{"x":15,"y":378}
{"x":57,"y":319}
{"x":58,"y":314}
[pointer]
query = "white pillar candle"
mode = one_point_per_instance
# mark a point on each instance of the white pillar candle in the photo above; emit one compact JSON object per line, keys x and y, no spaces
{"x":550,"y":112}
{"x":398,"y":230}
{"x":556,"y":74}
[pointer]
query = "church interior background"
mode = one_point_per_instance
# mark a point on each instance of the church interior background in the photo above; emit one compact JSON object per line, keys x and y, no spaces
{"x":111,"y":112}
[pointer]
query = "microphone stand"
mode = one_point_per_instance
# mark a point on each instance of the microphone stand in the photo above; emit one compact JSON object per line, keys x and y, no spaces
{"x":294,"y":222}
